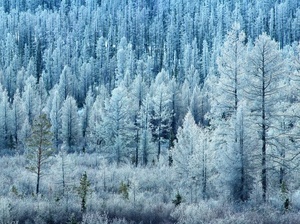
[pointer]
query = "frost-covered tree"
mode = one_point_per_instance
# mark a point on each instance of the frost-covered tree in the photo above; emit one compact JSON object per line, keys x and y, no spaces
{"x":86,"y":80}
{"x":71,"y":131}
{"x":67,"y":83}
{"x":30,"y":98}
{"x":86,"y":114}
{"x":234,"y":144}
{"x":199,"y":106}
{"x":119,"y":129}
{"x":137,"y":94}
{"x":185,"y":95}
{"x":121,"y":60}
{"x":231,"y":69}
{"x":96,"y":128}
{"x":54,"y":111}
{"x":205,"y":60}
{"x":146,"y":145}
{"x":228,"y":126}
{"x":162,"y":112}
{"x":5,"y":119}
{"x":102,"y":59}
{"x":18,"y":116}
{"x":190,"y":159}
{"x":265,"y":67}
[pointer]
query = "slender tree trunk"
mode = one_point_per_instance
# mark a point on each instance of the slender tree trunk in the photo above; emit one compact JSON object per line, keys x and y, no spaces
{"x":204,"y":178}
{"x":282,"y":166}
{"x":242,"y":184}
{"x":38,"y":183}
{"x":158,"y":149}
{"x":281,"y":176}
{"x":63,"y":172}
{"x":171,"y":145}
{"x":282,"y":170}
{"x":137,"y":148}
{"x":264,"y":143}
{"x":145,"y":154}
{"x":263,"y":163}
{"x":38,"y":172}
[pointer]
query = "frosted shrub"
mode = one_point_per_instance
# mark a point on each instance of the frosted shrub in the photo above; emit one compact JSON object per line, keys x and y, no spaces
{"x":24,"y":210}
{"x":187,"y":214}
{"x":157,"y":212}
{"x":97,"y":218}
{"x":203,"y":212}
{"x":5,"y":211}
{"x":295,"y":203}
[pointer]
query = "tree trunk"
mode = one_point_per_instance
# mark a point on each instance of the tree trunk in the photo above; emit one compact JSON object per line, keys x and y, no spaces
{"x":204,"y":171}
{"x":39,"y":170}
{"x":264,"y":143}
{"x":137,"y":148}
{"x":158,"y":150}
{"x":243,"y":195}
{"x":282,"y":170}
{"x":38,"y":183}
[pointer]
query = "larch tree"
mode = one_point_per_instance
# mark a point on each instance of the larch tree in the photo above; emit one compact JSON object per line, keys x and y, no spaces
{"x":234,"y":143}
{"x":39,"y":147}
{"x":162,"y":112}
{"x":229,"y":94}
{"x":137,"y":94}
{"x":30,"y":98}
{"x":95,"y":130}
{"x":175,"y":114}
{"x":101,"y":55}
{"x":265,"y":66}
{"x":5,"y":119}
{"x":185,"y":95}
{"x":285,"y":135}
{"x":85,"y":80}
{"x":205,"y":60}
{"x":190,"y":159}
{"x":121,"y":60}
{"x":18,"y":116}
{"x":119,"y":131}
{"x":146,"y":144}
{"x":66,"y":85}
{"x":54,"y":111}
{"x":71,"y":132}
{"x":199,"y":106}
{"x":86,"y":114}
{"x":231,"y":69}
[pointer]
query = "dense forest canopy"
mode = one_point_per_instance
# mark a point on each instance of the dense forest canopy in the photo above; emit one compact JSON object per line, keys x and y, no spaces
{"x":162,"y":102}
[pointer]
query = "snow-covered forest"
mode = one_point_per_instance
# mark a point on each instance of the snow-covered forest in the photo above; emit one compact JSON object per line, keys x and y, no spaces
{"x":149,"y":111}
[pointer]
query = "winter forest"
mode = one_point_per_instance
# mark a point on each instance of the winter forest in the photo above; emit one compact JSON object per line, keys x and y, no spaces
{"x":149,"y":111}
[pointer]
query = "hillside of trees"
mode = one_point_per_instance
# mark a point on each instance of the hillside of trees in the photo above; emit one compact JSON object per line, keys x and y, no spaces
{"x":149,"y":111}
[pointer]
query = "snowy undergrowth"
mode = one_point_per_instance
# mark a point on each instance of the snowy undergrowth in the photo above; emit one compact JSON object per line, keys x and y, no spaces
{"x":117,"y":194}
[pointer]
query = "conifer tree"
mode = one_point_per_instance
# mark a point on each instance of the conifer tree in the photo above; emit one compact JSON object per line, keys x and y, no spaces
{"x":228,"y":126}
{"x":71,"y":132}
{"x":265,"y":67}
{"x":39,"y":147}
{"x":83,"y":190}
{"x":119,"y":131}
{"x":190,"y":158}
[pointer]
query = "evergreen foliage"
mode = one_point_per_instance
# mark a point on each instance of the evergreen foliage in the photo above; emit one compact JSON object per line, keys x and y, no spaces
{"x":83,"y":191}
{"x":39,"y":147}
{"x":178,"y":199}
